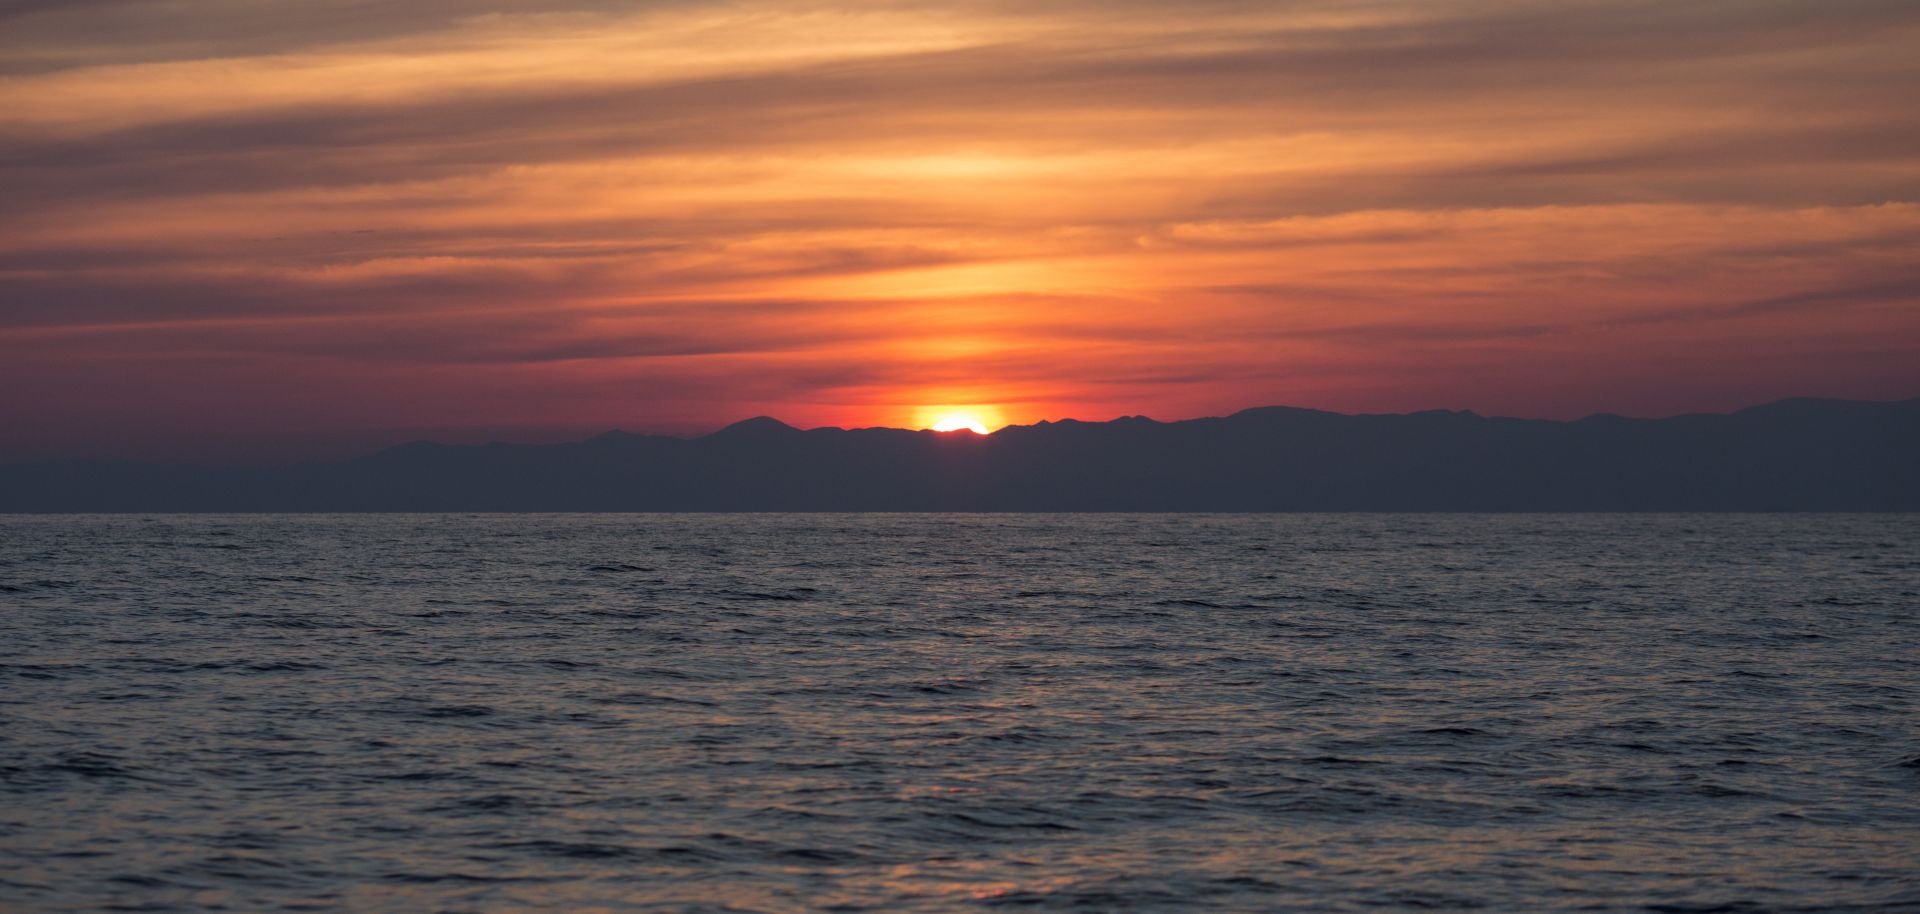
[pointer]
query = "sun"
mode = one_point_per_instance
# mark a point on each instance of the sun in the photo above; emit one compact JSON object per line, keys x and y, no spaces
{"x":953,"y":422}
{"x":955,"y":415}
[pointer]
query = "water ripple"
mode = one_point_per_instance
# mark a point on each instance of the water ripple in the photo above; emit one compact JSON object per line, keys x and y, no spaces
{"x":947,"y":713}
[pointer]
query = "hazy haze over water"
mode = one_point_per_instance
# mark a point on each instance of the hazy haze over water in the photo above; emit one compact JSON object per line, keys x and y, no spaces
{"x":918,"y":712}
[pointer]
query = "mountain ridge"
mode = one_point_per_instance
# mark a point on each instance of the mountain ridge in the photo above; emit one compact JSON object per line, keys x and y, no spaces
{"x":1792,"y":454}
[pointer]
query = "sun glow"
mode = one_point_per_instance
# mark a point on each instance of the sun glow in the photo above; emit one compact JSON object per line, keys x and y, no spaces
{"x":978,"y":418}
{"x":953,"y":422}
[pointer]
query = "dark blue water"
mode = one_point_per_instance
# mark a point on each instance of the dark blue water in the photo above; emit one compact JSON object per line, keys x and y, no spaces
{"x":907,"y":713}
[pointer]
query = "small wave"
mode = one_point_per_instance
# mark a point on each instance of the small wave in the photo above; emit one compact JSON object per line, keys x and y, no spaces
{"x":1339,"y":760}
{"x":38,"y":670}
{"x":982,"y":821}
{"x":91,"y":765}
{"x":651,"y":698}
{"x":571,"y":850}
{"x":756,"y":595}
{"x":1729,"y":907}
{"x":419,"y":775}
{"x":436,"y":878}
{"x":486,"y":803}
{"x":456,"y":711}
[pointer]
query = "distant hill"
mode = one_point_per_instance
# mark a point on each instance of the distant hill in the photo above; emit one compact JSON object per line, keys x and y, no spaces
{"x":1794,"y":455}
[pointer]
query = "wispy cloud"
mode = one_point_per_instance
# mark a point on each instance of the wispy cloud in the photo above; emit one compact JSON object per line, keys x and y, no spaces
{"x":244,"y":218}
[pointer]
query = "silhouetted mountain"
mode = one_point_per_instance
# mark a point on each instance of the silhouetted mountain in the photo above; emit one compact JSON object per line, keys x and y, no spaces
{"x":1794,"y":455}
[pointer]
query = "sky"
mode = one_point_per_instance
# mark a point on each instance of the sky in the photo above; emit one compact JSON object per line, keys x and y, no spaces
{"x":248,"y":230}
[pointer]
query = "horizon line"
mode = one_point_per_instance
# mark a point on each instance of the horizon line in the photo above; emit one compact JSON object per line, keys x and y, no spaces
{"x":1304,"y":409}
{"x":762,"y":420}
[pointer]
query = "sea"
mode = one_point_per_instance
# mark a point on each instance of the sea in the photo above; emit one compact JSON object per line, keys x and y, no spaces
{"x":900,"y":713}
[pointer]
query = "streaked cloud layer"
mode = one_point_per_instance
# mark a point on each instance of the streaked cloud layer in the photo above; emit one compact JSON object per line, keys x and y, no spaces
{"x":245,"y":227}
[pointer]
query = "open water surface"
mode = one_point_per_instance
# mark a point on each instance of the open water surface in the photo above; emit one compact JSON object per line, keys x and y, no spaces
{"x":949,"y":713}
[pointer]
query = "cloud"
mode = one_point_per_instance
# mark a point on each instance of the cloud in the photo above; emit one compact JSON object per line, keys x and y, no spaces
{"x":833,"y":211}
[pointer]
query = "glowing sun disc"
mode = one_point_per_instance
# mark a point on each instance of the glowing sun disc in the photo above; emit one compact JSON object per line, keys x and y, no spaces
{"x":953,"y":422}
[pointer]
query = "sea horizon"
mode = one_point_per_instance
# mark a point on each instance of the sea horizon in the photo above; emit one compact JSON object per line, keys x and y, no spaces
{"x":394,"y":516}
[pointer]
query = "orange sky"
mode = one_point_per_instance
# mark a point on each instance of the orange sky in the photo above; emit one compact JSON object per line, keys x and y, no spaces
{"x":240,"y":229}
